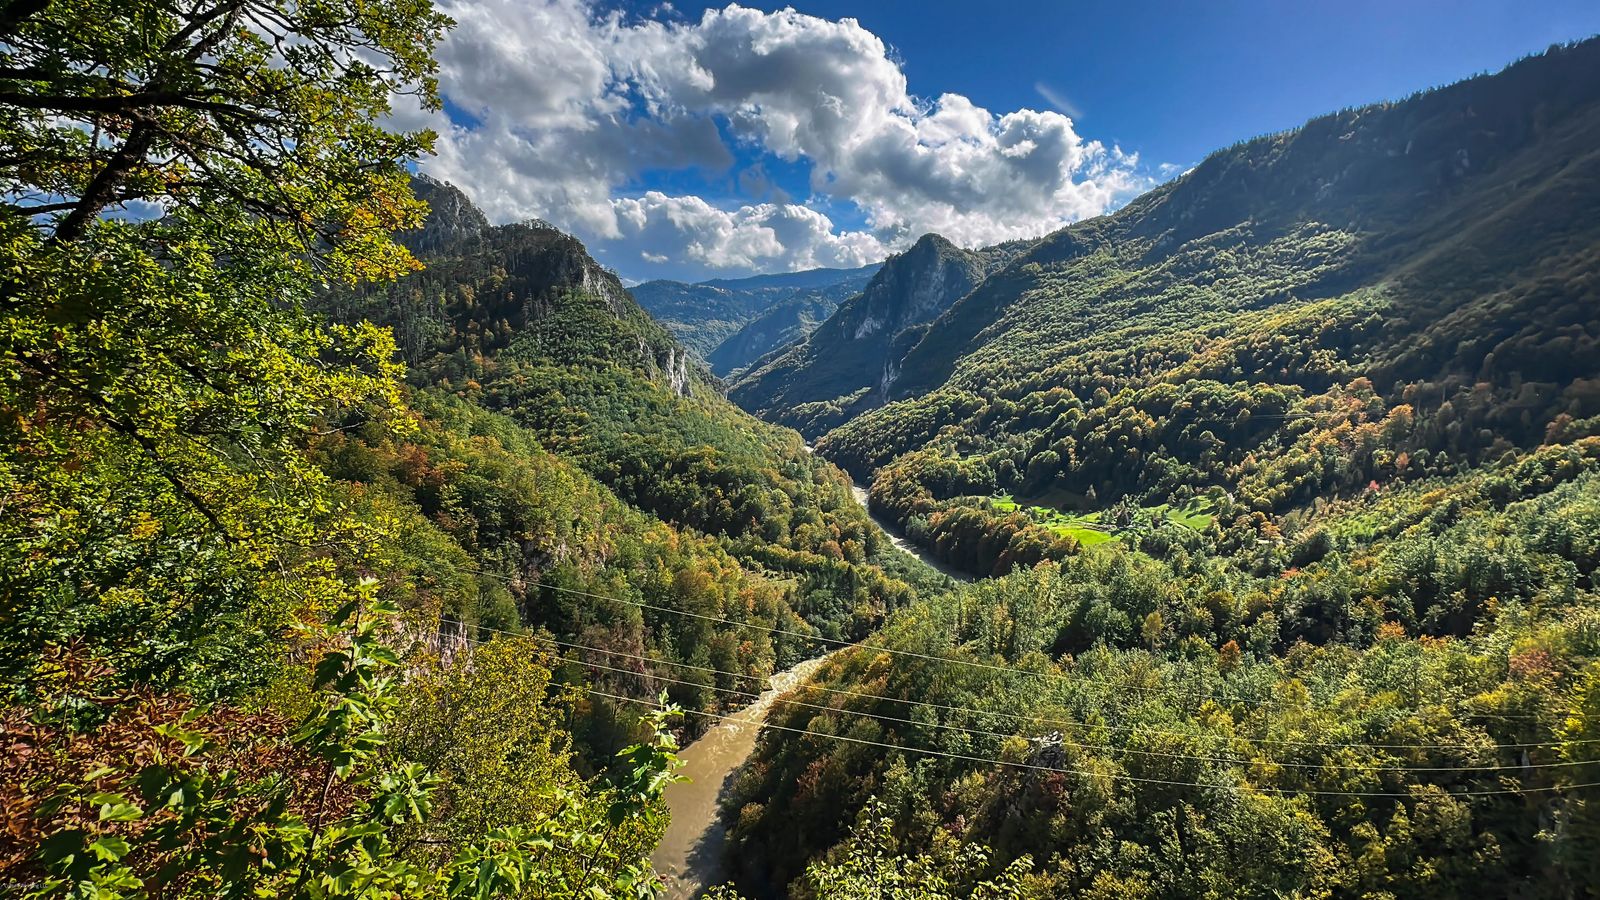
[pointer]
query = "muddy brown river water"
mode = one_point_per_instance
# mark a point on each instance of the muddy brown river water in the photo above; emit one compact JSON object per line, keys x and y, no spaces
{"x":690,"y":855}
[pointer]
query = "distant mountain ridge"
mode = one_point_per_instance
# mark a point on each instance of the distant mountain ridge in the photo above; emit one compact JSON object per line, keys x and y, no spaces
{"x":786,"y":322}
{"x":801,"y":280}
{"x":1400,"y":179}
{"x":851,"y":361}
{"x":706,"y":315}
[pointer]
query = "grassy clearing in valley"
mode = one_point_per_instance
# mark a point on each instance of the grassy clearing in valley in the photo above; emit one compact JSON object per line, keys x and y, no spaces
{"x":1092,"y":528}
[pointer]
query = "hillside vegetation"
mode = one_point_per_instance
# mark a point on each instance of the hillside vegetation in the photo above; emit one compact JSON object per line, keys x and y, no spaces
{"x":337,"y":565}
{"x":848,"y":363}
{"x":1289,"y":471}
{"x":1387,"y":293}
{"x":584,"y":462}
{"x":355,"y":547}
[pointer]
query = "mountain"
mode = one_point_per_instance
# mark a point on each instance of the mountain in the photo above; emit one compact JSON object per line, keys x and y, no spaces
{"x":785,"y":322}
{"x":1428,"y":259}
{"x":1288,"y":478}
{"x":808,"y":279}
{"x":334,"y":572}
{"x":520,"y":320}
{"x":1400,"y":192}
{"x":706,"y":314}
{"x":529,"y":284}
{"x":452,"y":217}
{"x":851,"y":360}
{"x":568,"y":441}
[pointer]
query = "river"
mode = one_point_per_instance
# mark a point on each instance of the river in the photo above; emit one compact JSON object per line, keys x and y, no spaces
{"x":689,"y":857}
{"x":900,"y":543}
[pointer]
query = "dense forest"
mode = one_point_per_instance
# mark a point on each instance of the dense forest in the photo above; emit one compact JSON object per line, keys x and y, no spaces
{"x":1398,"y":701}
{"x":1388,"y":293}
{"x":1290,"y":472}
{"x":355,"y":546}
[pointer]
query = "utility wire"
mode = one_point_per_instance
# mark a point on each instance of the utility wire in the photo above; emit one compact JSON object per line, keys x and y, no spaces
{"x":1233,"y":760}
{"x":889,"y":650}
{"x":1115,"y":776}
{"x":1072,"y":723}
{"x":1056,"y":676}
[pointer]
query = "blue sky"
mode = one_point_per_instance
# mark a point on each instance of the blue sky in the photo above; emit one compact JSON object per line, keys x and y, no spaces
{"x":698,"y":141}
{"x":1177,"y":80}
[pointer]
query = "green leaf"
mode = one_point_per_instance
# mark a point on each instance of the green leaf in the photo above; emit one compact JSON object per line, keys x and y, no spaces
{"x":109,"y":847}
{"x":116,"y":808}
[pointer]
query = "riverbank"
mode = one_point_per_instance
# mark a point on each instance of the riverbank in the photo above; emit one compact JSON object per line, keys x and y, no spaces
{"x":900,"y":542}
{"x":689,"y":857}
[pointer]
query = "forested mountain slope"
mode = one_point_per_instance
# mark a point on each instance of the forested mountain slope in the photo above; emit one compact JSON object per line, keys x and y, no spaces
{"x":1290,"y":473}
{"x":850,"y":361}
{"x":1420,"y":271}
{"x":353,"y":547}
{"x":705,"y":316}
{"x":291,"y":608}
{"x":273,"y":623}
{"x":526,"y":354}
{"x":1401,"y":702}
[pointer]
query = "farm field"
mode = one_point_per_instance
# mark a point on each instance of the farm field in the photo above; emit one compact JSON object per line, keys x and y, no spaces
{"x":1098,"y":527}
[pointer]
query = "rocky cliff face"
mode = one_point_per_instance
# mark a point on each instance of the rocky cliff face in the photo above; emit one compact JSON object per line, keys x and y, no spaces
{"x":850,"y":361}
{"x":914,"y":287}
{"x":451,"y":218}
{"x":494,"y":288}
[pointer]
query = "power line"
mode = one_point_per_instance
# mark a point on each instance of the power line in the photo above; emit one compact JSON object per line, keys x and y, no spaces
{"x":1006,"y":736}
{"x":1040,"y":721}
{"x":890,"y":650}
{"x":1116,"y":776}
{"x":838,"y":643}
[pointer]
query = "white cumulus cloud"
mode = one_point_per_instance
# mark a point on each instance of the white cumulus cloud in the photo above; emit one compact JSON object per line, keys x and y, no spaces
{"x":566,"y":113}
{"x":761,"y":236}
